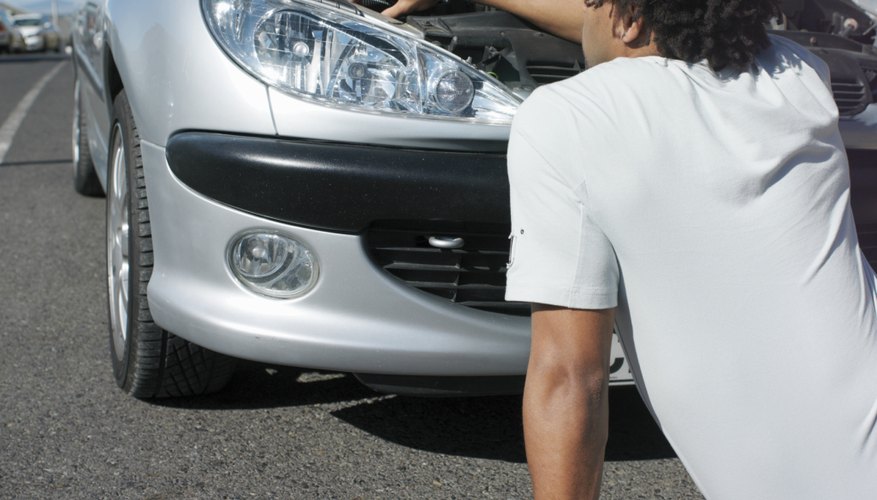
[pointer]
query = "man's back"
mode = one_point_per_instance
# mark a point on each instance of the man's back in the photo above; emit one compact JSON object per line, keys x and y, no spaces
{"x":746,"y":307}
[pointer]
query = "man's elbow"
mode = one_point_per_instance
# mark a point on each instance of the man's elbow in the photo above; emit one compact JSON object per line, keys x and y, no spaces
{"x":584,"y":387}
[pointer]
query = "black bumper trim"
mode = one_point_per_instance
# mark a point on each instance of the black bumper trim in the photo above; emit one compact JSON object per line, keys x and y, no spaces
{"x":340,"y":187}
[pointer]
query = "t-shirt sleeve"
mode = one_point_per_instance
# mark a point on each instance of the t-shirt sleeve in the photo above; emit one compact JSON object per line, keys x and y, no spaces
{"x":558,"y":255}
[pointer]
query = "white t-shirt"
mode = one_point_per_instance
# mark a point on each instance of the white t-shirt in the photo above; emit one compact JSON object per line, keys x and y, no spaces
{"x":713,"y":210}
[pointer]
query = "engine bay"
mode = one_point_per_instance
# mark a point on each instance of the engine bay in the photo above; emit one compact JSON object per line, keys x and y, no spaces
{"x":503,"y":46}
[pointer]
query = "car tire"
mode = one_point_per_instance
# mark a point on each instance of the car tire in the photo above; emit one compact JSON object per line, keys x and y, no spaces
{"x":148,"y":361}
{"x":85,"y":179}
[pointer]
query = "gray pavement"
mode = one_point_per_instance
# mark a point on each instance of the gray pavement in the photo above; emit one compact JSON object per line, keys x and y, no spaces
{"x":66,"y":431}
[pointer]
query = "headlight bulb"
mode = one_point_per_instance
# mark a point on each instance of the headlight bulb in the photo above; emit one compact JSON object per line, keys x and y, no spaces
{"x":453,"y":92}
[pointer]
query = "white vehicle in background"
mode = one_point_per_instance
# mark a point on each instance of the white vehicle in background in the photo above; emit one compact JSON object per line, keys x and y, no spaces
{"x":30,"y":27}
{"x":309,"y":183}
{"x":51,"y":36}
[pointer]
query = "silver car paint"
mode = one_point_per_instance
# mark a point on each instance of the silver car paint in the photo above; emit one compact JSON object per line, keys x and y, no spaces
{"x":175,"y":75}
{"x":297,"y":118}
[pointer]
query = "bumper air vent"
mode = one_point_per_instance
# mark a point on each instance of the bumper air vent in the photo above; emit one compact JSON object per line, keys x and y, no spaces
{"x":545,"y":73}
{"x":851,"y":96}
{"x":472,"y":275}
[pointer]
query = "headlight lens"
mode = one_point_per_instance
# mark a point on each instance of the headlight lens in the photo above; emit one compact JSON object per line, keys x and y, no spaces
{"x":337,"y":56}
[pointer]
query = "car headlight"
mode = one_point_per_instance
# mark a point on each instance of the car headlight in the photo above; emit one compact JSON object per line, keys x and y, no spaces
{"x":339,"y":57}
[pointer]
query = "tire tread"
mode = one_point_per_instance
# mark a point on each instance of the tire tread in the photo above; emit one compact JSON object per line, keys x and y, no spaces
{"x":160,"y":364}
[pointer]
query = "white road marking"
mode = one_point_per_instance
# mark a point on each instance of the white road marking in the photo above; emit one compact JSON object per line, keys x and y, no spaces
{"x":10,"y":126}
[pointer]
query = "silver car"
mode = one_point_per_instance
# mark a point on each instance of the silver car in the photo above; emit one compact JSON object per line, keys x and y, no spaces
{"x":309,"y":183}
{"x":30,"y":27}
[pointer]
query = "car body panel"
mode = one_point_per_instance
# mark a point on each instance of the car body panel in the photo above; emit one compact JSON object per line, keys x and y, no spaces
{"x":174,"y":47}
{"x":297,"y":118}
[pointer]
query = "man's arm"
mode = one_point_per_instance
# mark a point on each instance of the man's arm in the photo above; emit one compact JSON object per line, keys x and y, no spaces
{"x":566,"y":408}
{"x":560,"y":17}
{"x":563,"y":18}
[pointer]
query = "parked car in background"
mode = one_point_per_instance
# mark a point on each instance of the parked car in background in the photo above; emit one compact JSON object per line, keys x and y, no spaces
{"x":30,"y":26}
{"x":51,"y":35}
{"x":5,"y":32}
{"x":309,"y":183}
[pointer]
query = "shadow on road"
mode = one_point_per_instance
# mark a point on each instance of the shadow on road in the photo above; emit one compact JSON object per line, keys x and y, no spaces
{"x":257,"y":386}
{"x":20,"y":58}
{"x":491,"y":427}
{"x":482,"y":427}
{"x":37,"y":162}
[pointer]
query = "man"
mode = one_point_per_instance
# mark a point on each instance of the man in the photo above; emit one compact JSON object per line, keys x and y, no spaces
{"x":691,"y":188}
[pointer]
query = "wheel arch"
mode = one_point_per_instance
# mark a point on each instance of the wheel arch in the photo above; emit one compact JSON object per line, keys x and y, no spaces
{"x":112,"y":78}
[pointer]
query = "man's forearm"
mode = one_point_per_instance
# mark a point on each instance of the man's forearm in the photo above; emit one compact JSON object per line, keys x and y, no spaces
{"x":565,"y":427}
{"x":563,"y":18}
{"x":566,"y":408}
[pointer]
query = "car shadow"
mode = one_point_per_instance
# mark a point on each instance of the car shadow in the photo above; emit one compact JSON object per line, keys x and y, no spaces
{"x":258,"y":386}
{"x":491,"y":427}
{"x":36,"y":162}
{"x":28,"y":57}
{"x":478,"y":427}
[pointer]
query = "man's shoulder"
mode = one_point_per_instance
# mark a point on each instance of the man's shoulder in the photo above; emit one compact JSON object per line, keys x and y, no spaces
{"x":582,"y":99}
{"x":609,"y":80}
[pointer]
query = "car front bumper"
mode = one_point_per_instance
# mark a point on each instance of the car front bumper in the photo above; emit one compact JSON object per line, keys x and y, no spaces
{"x":34,"y":43}
{"x":357,"y":318}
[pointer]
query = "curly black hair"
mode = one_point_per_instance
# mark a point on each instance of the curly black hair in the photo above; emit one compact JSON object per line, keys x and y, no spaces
{"x":727,"y":33}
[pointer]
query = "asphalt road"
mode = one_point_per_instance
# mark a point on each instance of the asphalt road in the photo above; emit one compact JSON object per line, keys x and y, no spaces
{"x":67,"y":432}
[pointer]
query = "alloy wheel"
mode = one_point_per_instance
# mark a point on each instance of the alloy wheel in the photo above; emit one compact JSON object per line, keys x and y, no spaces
{"x":118,"y":234}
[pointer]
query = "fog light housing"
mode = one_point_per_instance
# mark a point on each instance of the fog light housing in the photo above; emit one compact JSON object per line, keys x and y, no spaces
{"x":272,"y":264}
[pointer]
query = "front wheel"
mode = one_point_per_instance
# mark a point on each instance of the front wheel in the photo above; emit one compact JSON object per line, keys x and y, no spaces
{"x":148,"y":361}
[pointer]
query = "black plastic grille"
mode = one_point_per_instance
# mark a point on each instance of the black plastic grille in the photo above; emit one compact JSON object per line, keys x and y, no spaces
{"x":544,"y":73}
{"x":472,"y":276}
{"x":851,"y":96}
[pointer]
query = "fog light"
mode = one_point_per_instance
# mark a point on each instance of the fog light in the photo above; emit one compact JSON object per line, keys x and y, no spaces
{"x":272,"y":264}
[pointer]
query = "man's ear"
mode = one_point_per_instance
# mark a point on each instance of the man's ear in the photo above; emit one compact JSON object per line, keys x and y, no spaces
{"x":633,"y":28}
